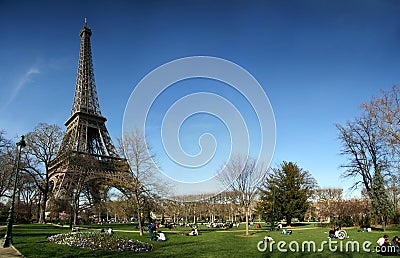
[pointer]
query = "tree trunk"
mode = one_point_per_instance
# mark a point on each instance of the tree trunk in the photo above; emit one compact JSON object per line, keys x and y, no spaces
{"x":383,"y":224}
{"x":30,"y":212}
{"x":39,"y":205}
{"x":76,"y":207}
{"x":42,"y":218}
{"x":140,"y":221}
{"x":75,"y":221}
{"x":288,"y":221}
{"x":247,"y":220}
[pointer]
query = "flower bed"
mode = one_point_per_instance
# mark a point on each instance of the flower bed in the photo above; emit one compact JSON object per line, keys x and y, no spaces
{"x":100,"y":241}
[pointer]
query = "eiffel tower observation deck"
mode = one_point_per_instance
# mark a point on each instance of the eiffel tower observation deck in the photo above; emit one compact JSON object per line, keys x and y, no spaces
{"x":87,"y":157}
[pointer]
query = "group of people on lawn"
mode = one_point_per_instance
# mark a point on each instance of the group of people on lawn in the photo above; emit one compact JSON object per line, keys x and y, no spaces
{"x":334,"y":232}
{"x":160,"y":236}
{"x":388,"y":248}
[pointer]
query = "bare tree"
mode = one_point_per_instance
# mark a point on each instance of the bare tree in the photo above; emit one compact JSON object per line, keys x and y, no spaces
{"x":365,"y":148}
{"x":27,"y":193}
{"x":120,"y":208}
{"x":7,"y":161}
{"x":356,"y":210}
{"x":243,"y":176}
{"x":4,"y":143}
{"x":141,"y":161}
{"x":42,"y":146}
{"x":384,"y":112}
{"x":328,"y":200}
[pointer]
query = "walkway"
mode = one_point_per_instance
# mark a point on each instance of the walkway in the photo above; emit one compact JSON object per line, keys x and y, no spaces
{"x":10,"y":252}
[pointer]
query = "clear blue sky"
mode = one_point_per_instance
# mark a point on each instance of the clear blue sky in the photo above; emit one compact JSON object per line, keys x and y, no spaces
{"x":316,"y":60}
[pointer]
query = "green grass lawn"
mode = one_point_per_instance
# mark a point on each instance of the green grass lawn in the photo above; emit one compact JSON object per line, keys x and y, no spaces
{"x":31,"y":241}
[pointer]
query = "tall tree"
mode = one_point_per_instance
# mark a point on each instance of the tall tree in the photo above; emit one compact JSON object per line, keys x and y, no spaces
{"x":287,"y":192}
{"x":141,"y":161}
{"x":243,"y":177}
{"x":42,"y":146}
{"x":384,"y":111}
{"x":367,"y":155}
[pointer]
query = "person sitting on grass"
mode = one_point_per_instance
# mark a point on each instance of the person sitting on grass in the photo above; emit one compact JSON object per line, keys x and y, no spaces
{"x":268,"y":239}
{"x":396,"y":243}
{"x":332,"y":232}
{"x":386,"y":249}
{"x":193,"y":232}
{"x":381,"y":241}
{"x":384,"y":246}
{"x":161,"y":236}
{"x":335,"y":233}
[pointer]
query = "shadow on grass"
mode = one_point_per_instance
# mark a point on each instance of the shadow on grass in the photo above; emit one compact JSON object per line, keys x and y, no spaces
{"x":251,"y":234}
{"x":298,"y":224}
{"x":177,"y":244}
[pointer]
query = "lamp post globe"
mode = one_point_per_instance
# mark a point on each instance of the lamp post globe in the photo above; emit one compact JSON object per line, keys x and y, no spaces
{"x":8,"y":237}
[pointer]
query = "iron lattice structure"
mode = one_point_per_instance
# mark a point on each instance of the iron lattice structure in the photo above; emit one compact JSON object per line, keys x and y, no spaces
{"x":87,"y":156}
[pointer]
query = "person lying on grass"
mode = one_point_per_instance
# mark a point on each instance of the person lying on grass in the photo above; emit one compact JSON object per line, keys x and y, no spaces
{"x":286,"y":232}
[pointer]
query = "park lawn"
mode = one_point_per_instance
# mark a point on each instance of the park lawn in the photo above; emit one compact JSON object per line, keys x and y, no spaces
{"x":31,"y":241}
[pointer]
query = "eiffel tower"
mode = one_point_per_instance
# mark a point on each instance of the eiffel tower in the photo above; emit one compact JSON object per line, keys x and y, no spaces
{"x":87,"y":158}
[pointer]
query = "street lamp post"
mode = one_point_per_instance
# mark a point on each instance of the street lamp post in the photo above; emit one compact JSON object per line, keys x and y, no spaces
{"x":8,"y":237}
